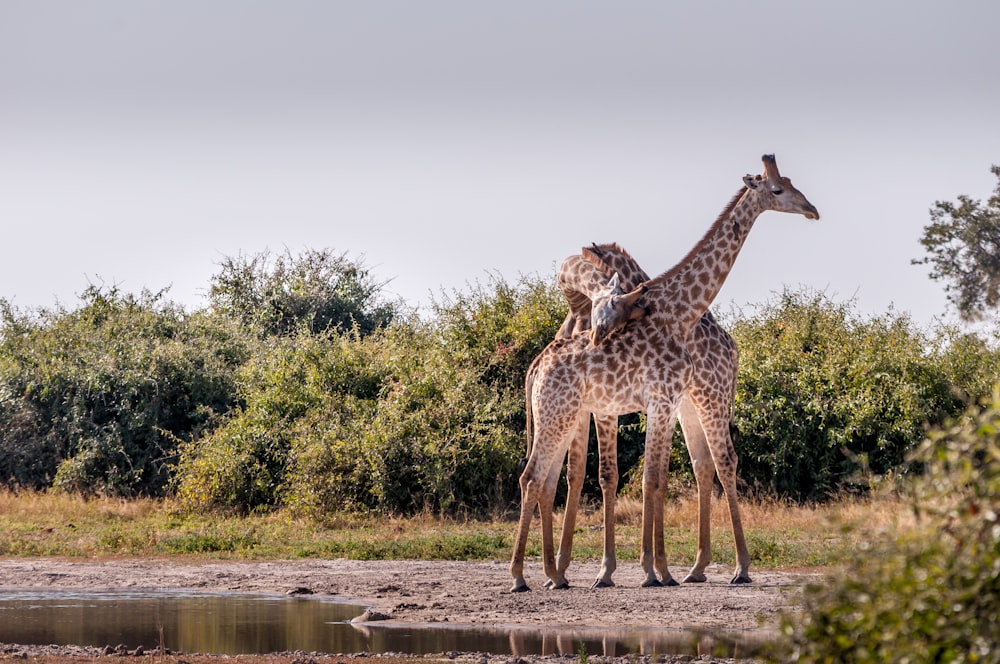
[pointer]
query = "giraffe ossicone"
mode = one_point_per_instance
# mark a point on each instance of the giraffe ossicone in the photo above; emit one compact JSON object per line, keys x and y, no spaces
{"x":645,"y":366}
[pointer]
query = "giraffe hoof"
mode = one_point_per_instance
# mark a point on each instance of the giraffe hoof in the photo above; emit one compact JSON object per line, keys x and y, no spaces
{"x":670,"y":583}
{"x":520,"y":588}
{"x":601,"y":583}
{"x":695,"y":578}
{"x":552,"y":585}
{"x":652,"y":583}
{"x":738,"y":579}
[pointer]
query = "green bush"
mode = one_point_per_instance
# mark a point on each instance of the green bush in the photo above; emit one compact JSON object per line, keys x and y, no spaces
{"x":929,"y":596}
{"x":419,"y":416}
{"x":823,"y":393}
{"x":271,"y":397}
{"x":242,"y":463}
{"x":97,"y":399}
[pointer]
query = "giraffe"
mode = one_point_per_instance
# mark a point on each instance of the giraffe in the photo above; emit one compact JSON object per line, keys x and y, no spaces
{"x":597,"y":303}
{"x":706,"y":429}
{"x":646,"y":366}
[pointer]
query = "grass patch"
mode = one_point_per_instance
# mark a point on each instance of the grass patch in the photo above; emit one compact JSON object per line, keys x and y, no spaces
{"x":210,"y":543}
{"x":477,"y":545}
{"x":779,"y":535}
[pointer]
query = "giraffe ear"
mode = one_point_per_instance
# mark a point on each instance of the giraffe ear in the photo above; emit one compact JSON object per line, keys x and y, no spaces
{"x":751,"y":181}
{"x":615,"y":285}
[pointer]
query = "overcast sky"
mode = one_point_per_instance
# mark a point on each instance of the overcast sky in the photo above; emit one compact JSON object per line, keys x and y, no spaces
{"x":143,"y":142}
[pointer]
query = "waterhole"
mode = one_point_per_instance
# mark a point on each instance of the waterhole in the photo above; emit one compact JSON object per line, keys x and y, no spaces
{"x":242,"y":623}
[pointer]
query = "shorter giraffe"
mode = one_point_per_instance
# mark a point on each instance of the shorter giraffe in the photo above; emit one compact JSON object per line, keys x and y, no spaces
{"x":596,"y":303}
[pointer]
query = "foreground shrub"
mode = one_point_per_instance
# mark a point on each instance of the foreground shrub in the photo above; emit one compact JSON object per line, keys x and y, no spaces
{"x":932,"y":595}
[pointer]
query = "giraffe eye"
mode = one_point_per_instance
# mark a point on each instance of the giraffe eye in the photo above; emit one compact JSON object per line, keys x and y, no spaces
{"x":776,"y":190}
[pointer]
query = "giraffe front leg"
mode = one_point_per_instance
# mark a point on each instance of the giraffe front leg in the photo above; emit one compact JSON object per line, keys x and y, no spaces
{"x":659,"y":431}
{"x":545,"y":507}
{"x":649,"y":485}
{"x":703,"y":474}
{"x":659,"y":538}
{"x":607,"y":445}
{"x":529,"y":498}
{"x":576,"y":467}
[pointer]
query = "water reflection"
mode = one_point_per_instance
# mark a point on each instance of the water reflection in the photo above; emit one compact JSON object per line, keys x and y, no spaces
{"x":222,"y":623}
{"x":241,"y":623}
{"x":515,"y":640}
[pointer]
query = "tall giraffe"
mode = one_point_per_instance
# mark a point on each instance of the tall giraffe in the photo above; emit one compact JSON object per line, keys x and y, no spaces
{"x":646,"y":366}
{"x":706,"y":428}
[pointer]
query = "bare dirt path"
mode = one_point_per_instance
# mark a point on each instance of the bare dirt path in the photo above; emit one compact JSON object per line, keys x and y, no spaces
{"x":474,"y":593}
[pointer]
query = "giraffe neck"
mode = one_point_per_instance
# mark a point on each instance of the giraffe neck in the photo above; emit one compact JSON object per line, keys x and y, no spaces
{"x":615,"y":259}
{"x":680,"y":296}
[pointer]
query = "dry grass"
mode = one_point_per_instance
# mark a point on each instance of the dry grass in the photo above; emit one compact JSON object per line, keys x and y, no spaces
{"x":780,"y":535}
{"x":60,"y":508}
{"x":878,"y":514}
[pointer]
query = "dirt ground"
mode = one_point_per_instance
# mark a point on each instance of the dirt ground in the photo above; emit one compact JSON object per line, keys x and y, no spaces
{"x":473,"y":593}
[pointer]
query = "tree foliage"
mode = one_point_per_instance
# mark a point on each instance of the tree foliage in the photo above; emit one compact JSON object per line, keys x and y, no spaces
{"x":824,"y":394}
{"x":315,"y":290}
{"x":963,"y":243}
{"x":130,"y":394}
{"x":96,"y":399}
{"x":933,"y":596}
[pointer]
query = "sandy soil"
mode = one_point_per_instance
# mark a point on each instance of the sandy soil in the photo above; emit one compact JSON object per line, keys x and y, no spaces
{"x":457,"y":592}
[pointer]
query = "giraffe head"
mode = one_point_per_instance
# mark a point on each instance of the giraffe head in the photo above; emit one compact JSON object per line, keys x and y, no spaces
{"x":774,"y":192}
{"x":611,"y":311}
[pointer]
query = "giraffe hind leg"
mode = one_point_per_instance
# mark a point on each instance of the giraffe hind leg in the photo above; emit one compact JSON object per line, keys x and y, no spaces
{"x":546,"y":504}
{"x":531,"y":482}
{"x":529,"y":498}
{"x":696,"y":441}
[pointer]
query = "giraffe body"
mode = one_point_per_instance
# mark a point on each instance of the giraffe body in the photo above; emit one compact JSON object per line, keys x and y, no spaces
{"x":646,"y":366}
{"x":704,"y":414}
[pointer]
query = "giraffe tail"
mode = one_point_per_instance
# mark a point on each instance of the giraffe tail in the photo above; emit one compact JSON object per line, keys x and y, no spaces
{"x":529,"y":381}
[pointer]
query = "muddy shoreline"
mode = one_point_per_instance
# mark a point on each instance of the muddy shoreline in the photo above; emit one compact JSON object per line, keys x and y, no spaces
{"x":428,"y":592}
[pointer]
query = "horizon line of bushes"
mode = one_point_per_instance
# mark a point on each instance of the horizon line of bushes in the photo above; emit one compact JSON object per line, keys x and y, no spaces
{"x":300,"y":386}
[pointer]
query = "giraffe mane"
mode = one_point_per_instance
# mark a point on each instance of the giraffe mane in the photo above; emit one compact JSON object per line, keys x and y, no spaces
{"x":597,"y":260}
{"x":721,"y":218}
